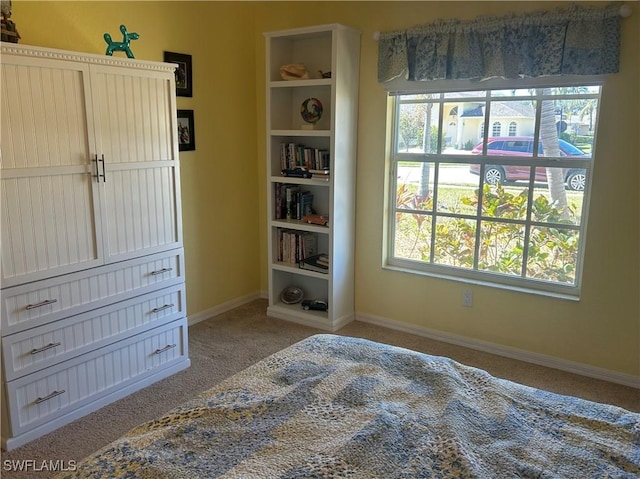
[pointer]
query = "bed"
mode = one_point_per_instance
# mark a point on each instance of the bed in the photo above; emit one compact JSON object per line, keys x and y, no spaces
{"x":340,"y":407}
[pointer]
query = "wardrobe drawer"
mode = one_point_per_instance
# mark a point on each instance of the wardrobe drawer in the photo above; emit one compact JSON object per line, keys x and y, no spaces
{"x":60,"y":389}
{"x":30,"y":305}
{"x":44,"y":346}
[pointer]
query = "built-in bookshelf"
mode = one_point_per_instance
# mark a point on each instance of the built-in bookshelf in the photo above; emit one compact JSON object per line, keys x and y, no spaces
{"x":311,"y":158}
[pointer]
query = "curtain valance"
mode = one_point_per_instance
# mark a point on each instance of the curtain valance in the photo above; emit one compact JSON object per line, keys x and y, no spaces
{"x":576,"y":40}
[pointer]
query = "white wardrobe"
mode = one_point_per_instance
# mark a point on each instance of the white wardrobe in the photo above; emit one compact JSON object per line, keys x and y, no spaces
{"x":93,"y":297}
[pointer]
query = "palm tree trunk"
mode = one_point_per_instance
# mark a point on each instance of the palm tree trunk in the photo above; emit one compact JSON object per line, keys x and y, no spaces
{"x":550,"y":148}
{"x":423,"y":188}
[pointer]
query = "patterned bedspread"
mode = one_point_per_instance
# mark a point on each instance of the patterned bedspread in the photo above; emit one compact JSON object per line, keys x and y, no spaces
{"x":340,"y":407}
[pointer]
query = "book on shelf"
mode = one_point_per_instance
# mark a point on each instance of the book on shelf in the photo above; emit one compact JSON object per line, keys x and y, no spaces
{"x":291,"y":203}
{"x":290,"y":196}
{"x":294,"y":245}
{"x":318,"y":263}
{"x":278,"y":201}
{"x":305,"y":205}
{"x":292,"y":155}
{"x":321,"y":177}
{"x":321,"y":174}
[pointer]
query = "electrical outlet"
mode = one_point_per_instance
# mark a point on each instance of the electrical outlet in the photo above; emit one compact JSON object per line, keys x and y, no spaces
{"x":467,"y":298}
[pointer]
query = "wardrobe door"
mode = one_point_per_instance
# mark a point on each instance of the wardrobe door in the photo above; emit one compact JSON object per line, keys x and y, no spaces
{"x":49,"y":204}
{"x":135,"y":134}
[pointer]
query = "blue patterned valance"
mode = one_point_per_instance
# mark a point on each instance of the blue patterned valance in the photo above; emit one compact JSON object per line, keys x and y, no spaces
{"x":573,"y":41}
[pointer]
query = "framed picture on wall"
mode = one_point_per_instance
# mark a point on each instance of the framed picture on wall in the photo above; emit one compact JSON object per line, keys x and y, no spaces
{"x":186,"y":131}
{"x":184,"y":79}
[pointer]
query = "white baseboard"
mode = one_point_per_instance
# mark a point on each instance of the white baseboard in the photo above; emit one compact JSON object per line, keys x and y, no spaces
{"x":221,"y":308}
{"x":506,"y":351}
{"x":477,"y":344}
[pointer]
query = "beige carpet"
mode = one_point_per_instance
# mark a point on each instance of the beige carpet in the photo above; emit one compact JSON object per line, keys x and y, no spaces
{"x":221,"y":346}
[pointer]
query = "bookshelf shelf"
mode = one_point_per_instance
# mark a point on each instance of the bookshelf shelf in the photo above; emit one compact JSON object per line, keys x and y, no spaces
{"x":295,"y":270}
{"x":302,"y":133}
{"x":292,"y":312}
{"x":302,"y":226}
{"x":291,"y":141}
{"x":301,"y":83}
{"x":299,"y":181}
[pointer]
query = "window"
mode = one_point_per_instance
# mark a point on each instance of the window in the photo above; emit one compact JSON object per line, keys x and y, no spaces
{"x":508,"y":211}
{"x":513,"y":128}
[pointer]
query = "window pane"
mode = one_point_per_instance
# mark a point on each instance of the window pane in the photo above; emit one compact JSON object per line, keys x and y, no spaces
{"x":418,"y":127}
{"x":507,"y":116}
{"x":512,"y":93}
{"x":553,"y":254}
{"x":455,"y":242}
{"x":451,"y":129}
{"x":505,"y":201}
{"x":573,"y":90}
{"x":457,"y":188}
{"x":571,"y":122}
{"x":508,"y":174}
{"x":419,"y":96}
{"x":465,"y":94}
{"x":412,"y":238}
{"x":415,"y":185}
{"x":548,"y":207}
{"x":501,"y":247}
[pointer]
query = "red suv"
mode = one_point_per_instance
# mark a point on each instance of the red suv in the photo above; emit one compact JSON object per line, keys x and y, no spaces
{"x":575,"y":178}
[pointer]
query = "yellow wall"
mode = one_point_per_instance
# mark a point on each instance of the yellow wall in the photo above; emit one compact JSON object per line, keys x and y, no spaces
{"x":224,"y":188}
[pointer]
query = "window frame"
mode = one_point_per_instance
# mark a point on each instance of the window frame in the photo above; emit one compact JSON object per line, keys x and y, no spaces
{"x":474,"y":275}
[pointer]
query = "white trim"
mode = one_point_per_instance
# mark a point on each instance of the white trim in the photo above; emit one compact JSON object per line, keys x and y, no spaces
{"x":221,"y":308}
{"x":309,"y":30}
{"x":506,"y":351}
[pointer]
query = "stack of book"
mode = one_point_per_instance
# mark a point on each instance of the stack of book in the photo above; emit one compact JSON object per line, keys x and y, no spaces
{"x":291,"y":203}
{"x":292,"y":154}
{"x":320,"y":174}
{"x":318,"y":262}
{"x":293,"y":245}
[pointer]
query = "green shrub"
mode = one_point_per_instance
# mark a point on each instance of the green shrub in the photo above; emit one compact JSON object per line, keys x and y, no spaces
{"x":552,"y":252}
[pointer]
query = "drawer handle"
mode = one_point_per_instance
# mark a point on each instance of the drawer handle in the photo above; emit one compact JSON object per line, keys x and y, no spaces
{"x":162,"y":308}
{"x":44,"y":348}
{"x":50,"y":396}
{"x":161,"y":271}
{"x":41,"y":303}
{"x":166,"y":348}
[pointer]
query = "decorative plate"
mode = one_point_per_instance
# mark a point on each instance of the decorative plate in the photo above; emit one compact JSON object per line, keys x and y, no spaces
{"x":311,"y":110}
{"x":291,"y":295}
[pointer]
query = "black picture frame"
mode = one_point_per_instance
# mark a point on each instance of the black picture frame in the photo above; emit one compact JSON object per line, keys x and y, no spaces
{"x":184,"y":77}
{"x":186,"y":131}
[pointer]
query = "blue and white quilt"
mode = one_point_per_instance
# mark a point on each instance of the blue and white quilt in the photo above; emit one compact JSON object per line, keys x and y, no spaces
{"x":339,"y":407}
